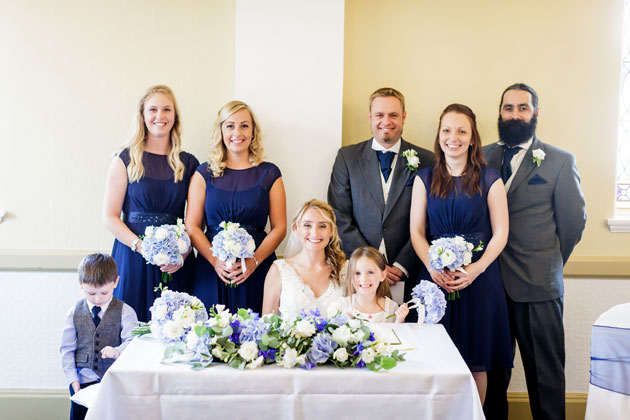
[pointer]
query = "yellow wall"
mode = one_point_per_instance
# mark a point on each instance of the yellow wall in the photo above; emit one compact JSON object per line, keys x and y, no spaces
{"x":71,"y":74}
{"x":437,"y":53}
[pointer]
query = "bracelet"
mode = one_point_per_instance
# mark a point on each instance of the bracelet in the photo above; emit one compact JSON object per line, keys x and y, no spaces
{"x":134,"y":245}
{"x":255,"y":260}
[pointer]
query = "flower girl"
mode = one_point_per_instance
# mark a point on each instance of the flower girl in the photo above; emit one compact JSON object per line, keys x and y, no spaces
{"x":369,"y":295}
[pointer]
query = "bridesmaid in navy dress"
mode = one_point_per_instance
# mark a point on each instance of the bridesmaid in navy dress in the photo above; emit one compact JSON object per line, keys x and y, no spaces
{"x":148,"y":182}
{"x":460,"y":195}
{"x":235,"y":185}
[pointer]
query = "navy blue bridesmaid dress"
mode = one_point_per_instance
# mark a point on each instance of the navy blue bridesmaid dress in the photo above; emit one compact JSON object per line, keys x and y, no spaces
{"x":154,"y":200}
{"x":240,"y":196}
{"x":477,"y":321}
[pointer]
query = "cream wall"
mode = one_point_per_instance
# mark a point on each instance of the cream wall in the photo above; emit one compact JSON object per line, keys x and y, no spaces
{"x":437,"y":53}
{"x":71,"y":76}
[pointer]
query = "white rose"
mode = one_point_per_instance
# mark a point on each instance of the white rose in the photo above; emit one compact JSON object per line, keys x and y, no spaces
{"x":172,"y":330}
{"x":341,"y":354}
{"x":160,"y":259}
{"x":251,"y":246}
{"x":301,"y":360}
{"x":357,"y":336}
{"x":185,"y":316}
{"x":161,"y":233}
{"x":341,"y":335}
{"x":447,"y":257}
{"x":354,"y":323}
{"x":248,"y":351}
{"x":539,"y":154}
{"x":368,"y":355}
{"x":191,"y":340}
{"x":235,"y":248}
{"x":289,"y":359}
{"x":233,"y":227}
{"x":413,"y":160}
{"x":256,"y":363}
{"x":224,"y":321}
{"x":182,"y":246}
{"x":304,"y":328}
{"x":148,"y":231}
{"x":467,"y":258}
{"x":160,"y":312}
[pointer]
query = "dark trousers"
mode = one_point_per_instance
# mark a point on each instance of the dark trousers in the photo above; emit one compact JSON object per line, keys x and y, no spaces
{"x":537,"y":328}
{"x":77,"y":411}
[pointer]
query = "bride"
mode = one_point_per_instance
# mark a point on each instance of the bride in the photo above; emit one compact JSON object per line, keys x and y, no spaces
{"x":314,"y":277}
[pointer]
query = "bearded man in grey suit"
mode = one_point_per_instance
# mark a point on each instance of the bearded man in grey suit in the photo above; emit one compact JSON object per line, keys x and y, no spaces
{"x":370,"y":190}
{"x":547,"y":218}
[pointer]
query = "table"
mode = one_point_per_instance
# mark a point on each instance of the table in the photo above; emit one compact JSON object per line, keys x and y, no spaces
{"x":609,"y":390}
{"x":433,"y":382}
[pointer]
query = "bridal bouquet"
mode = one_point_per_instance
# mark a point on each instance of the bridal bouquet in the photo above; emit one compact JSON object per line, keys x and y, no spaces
{"x":231,"y":243}
{"x":165,"y":245}
{"x":451,"y":253}
{"x":245,"y":340}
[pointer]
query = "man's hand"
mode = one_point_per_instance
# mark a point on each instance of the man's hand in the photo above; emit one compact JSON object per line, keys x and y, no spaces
{"x":393,"y":274}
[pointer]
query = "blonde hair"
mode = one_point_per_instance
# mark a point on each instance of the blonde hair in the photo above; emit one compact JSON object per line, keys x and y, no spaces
{"x":335,"y":258}
{"x":136,"y":144}
{"x":217,"y":153}
{"x":377,"y":258}
{"x":387,"y":92}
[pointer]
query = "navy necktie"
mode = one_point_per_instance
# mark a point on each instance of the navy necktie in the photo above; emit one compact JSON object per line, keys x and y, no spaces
{"x":95,"y":317}
{"x":386,"y":159}
{"x":506,"y":166}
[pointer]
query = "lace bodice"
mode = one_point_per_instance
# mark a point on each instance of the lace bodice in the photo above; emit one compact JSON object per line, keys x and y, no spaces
{"x":390,"y":308}
{"x":297,"y":296}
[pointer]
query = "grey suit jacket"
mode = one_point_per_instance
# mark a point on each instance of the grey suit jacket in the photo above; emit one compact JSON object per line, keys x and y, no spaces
{"x":356,"y":195}
{"x":547,"y":218}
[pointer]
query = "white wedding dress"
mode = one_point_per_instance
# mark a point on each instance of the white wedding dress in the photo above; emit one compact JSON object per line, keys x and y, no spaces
{"x":296,"y":296}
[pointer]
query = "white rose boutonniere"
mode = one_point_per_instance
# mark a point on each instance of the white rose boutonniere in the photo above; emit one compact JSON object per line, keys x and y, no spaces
{"x":412,"y":159}
{"x":539,"y":156}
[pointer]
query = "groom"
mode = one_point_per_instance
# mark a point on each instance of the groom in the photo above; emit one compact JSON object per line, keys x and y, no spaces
{"x":547,"y":218}
{"x":370,"y":190}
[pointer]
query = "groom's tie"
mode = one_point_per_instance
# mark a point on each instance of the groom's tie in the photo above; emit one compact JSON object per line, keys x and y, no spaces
{"x":386,"y":159}
{"x":506,"y":167}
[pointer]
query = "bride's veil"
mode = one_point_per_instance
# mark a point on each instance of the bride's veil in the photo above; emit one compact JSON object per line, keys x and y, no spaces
{"x":293,"y":246}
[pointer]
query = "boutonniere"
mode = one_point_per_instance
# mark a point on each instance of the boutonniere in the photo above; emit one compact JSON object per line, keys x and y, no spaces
{"x":412,"y":159}
{"x":539,"y":156}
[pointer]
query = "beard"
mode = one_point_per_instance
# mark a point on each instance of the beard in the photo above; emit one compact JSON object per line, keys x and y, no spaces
{"x":515,"y":132}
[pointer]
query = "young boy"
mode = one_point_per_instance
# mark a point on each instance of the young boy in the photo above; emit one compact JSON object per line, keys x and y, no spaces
{"x":97,"y":329}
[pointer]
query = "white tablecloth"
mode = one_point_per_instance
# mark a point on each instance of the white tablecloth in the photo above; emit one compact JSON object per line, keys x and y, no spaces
{"x":433,"y":382}
{"x":603,"y":403}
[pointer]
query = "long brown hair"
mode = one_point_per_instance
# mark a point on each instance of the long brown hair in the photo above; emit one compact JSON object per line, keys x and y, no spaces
{"x":377,"y":258}
{"x":442,"y":183}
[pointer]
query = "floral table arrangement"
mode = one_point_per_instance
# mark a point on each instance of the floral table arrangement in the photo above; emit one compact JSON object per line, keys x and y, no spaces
{"x":245,"y":340}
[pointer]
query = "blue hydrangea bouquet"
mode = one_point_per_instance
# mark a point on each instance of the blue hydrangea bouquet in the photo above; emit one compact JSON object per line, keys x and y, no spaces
{"x":452,"y":253}
{"x":164,"y":245}
{"x":233,"y":242}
